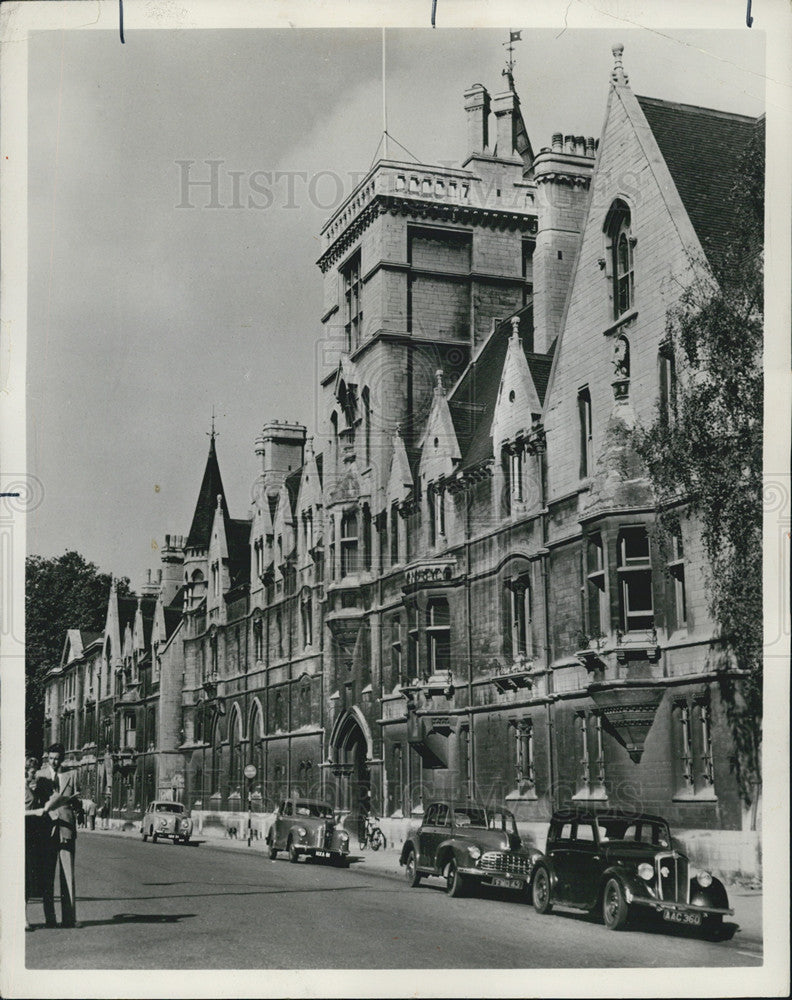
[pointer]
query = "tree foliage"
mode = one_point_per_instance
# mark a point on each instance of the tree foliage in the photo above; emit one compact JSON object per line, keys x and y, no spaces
{"x":60,"y":593}
{"x":706,"y":450}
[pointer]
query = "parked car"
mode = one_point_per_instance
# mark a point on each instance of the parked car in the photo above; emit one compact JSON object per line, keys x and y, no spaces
{"x":167,"y":819}
{"x":468,"y":844}
{"x":620,"y":862}
{"x":307,"y":826}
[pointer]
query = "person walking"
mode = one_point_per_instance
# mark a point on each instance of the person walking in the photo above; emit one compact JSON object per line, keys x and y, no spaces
{"x":34,"y":845}
{"x":61,"y":839}
{"x":90,"y":813}
{"x":104,"y":813}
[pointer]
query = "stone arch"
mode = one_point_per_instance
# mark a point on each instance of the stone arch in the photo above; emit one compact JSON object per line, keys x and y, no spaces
{"x":344,"y":730}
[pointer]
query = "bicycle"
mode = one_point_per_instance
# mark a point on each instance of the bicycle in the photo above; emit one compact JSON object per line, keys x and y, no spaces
{"x":372,"y":837}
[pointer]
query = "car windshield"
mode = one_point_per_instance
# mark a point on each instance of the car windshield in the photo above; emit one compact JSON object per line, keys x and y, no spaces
{"x":168,"y":807}
{"x":643,"y":831}
{"x":318,"y":809}
{"x":485,"y":819}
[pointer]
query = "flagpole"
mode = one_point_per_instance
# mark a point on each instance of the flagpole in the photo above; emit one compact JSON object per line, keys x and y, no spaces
{"x":384,"y":103}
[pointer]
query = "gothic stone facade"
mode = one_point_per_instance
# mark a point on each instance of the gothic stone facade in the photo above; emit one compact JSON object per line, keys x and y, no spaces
{"x":457,"y":587}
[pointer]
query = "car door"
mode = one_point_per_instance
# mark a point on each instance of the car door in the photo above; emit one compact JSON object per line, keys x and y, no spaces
{"x":426,"y":835}
{"x":284,"y":809}
{"x":583,"y":863}
{"x":559,"y":853}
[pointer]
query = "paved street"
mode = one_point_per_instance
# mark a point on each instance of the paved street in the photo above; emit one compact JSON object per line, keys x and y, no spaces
{"x":165,"y":906}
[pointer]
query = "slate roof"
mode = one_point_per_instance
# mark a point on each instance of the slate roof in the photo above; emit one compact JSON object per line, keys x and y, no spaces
{"x":702,"y":149}
{"x":173,"y":616}
{"x":203,"y":518}
{"x":238,"y":539}
{"x":472,"y":401}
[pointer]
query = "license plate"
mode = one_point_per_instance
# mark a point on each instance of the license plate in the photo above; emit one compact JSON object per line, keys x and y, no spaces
{"x":322,"y":854}
{"x":507,"y":883}
{"x":680,"y":917}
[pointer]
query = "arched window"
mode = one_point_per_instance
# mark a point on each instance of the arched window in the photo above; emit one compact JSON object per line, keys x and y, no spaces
{"x":217,"y":758}
{"x":366,"y":397}
{"x":618,"y":230}
{"x":235,"y":753}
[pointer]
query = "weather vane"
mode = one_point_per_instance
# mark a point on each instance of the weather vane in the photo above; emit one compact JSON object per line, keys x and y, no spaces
{"x":212,"y":434}
{"x":514,"y":36}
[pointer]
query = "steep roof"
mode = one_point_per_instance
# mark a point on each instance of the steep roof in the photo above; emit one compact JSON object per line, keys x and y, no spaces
{"x":472,"y":401}
{"x":173,"y":616}
{"x":702,"y":149}
{"x":211,"y":487}
{"x":238,"y":540}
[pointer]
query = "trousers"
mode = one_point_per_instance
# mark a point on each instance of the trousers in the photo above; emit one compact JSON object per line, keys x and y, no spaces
{"x":59,"y":865}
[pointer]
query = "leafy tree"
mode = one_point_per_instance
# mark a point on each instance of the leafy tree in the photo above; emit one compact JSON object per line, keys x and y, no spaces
{"x":60,"y":593}
{"x":705,"y":449}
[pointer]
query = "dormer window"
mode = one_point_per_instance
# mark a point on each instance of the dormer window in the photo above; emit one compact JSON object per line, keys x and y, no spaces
{"x":618,"y":230}
{"x":435,"y":502}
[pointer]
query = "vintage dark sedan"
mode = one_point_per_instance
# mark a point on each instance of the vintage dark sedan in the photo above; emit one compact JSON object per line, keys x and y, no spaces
{"x":620,"y":862}
{"x":167,"y":819}
{"x":307,"y":827}
{"x":467,"y":844}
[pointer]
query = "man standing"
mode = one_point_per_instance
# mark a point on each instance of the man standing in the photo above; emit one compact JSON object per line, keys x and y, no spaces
{"x":60,"y":840}
{"x":90,"y":814}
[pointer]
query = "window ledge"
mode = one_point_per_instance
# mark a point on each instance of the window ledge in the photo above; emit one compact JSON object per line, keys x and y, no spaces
{"x":707,"y":795}
{"x":628,"y":317}
{"x":595,"y":795}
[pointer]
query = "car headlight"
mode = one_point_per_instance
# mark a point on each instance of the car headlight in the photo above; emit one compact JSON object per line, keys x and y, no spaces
{"x":344,"y":838}
{"x":301,"y":832}
{"x":185,"y":823}
{"x":646,"y":871}
{"x":704,"y":879}
{"x":474,"y":852}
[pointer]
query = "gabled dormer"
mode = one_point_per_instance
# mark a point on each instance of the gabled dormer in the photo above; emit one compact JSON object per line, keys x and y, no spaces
{"x":309,"y":509}
{"x":440,"y":456}
{"x":219,"y":575}
{"x":516,"y":427}
{"x":261,"y":541}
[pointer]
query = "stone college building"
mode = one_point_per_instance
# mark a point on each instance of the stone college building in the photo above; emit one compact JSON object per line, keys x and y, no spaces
{"x":453,"y":587}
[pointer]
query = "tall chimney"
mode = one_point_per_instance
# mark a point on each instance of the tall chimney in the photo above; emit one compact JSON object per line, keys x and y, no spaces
{"x":477,"y":106}
{"x":504,"y":106}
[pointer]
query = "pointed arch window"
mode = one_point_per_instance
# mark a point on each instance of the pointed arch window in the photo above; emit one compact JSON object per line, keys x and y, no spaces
{"x":668,"y":383}
{"x":618,"y":227}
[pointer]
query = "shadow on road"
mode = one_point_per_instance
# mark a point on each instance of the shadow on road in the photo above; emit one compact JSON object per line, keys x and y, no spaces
{"x":133,"y":918}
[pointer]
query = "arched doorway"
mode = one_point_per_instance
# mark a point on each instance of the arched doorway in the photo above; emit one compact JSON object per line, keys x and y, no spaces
{"x":351,"y":751}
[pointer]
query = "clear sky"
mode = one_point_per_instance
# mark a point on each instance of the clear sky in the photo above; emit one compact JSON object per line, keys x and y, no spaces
{"x":144,"y":315}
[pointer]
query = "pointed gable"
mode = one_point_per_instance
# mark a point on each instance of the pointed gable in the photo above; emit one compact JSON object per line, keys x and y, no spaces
{"x":518,"y":403}
{"x":400,"y":480}
{"x":211,"y":488}
{"x":439,"y":446}
{"x":473,"y":399}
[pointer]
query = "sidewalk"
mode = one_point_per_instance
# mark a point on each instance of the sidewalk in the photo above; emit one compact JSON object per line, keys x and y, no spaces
{"x":746,"y":903}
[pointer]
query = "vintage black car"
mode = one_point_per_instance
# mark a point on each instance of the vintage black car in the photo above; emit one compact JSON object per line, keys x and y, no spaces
{"x":467,"y":844}
{"x":307,"y":827}
{"x":619,"y":862}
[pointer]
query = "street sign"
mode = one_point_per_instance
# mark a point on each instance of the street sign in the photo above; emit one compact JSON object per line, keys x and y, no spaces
{"x":250,"y":772}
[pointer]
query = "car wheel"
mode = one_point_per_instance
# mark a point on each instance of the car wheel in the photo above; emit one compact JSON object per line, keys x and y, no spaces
{"x":614,"y":906}
{"x":377,"y":839}
{"x":541,"y":891}
{"x":186,"y":840}
{"x":153,"y":835}
{"x":455,"y":883}
{"x":712,"y":927}
{"x":144,"y":835}
{"x":341,"y":862}
{"x":273,"y":850}
{"x":294,"y":854}
{"x":411,"y":871}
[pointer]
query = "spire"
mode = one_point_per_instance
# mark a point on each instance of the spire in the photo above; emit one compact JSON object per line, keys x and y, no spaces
{"x":210,"y":495}
{"x":514,"y":36}
{"x":618,"y":77}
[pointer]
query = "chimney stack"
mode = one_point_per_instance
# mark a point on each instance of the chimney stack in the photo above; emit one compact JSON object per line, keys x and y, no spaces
{"x":477,"y":106}
{"x":505,"y":106}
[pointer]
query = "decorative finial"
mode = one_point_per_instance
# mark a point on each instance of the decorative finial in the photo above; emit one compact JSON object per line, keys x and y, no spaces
{"x":219,"y":501}
{"x":515,"y":323}
{"x":398,"y":429}
{"x":213,"y":433}
{"x":618,"y":76}
{"x":439,"y":387}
